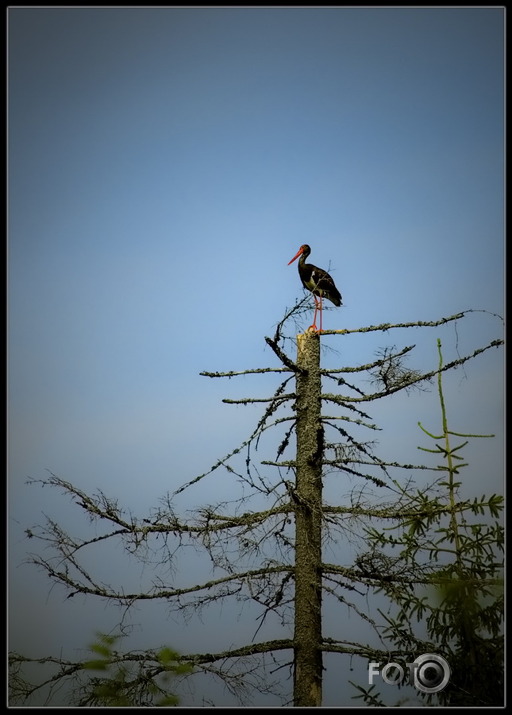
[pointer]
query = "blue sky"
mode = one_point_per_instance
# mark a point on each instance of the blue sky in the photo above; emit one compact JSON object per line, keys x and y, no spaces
{"x":165,"y":164}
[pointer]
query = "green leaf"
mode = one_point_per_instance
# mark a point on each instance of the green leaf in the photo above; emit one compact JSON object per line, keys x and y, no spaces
{"x":96,"y":665}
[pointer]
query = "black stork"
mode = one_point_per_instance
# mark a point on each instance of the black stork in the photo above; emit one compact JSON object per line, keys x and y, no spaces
{"x":318,"y":281}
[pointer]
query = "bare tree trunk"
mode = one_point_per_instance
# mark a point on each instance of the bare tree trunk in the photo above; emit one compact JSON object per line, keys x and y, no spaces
{"x":308,"y":526}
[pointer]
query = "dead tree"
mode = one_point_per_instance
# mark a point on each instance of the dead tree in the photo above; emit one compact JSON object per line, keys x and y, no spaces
{"x":307,"y":499}
{"x":286,"y":537}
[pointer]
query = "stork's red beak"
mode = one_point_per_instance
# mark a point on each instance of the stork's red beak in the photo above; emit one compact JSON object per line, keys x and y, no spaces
{"x":299,"y":252}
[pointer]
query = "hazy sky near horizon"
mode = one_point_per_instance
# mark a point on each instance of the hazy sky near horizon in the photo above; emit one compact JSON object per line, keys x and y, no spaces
{"x":164,"y":165}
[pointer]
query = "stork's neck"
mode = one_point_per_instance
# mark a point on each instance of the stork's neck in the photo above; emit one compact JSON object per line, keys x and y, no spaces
{"x":302,"y":259}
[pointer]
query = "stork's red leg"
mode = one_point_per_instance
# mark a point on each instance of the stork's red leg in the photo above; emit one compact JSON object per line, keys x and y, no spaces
{"x":313,"y":325}
{"x":318,"y":307}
